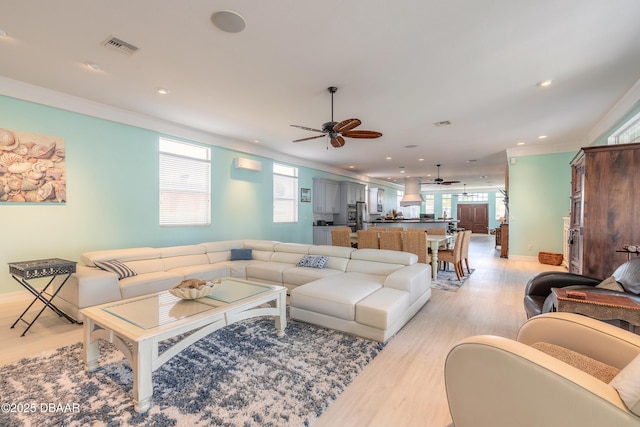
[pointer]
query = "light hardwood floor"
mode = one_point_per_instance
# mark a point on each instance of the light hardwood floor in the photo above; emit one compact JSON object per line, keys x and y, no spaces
{"x":404,"y":384}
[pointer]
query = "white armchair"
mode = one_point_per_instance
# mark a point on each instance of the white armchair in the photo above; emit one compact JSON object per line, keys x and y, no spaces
{"x":498,"y":382}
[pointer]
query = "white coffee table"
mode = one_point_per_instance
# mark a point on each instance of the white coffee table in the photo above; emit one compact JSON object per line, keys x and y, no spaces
{"x":137,"y":325}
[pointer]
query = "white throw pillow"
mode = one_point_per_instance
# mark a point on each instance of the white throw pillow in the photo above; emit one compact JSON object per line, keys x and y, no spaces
{"x":627,"y":384}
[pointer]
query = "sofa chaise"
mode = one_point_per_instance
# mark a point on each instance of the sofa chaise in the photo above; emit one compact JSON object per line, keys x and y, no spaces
{"x":367,"y":292}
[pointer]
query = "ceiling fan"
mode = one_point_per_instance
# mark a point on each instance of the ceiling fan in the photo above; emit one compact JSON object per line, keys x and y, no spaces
{"x":464,"y":192}
{"x":440,"y":181}
{"x":338,"y":131}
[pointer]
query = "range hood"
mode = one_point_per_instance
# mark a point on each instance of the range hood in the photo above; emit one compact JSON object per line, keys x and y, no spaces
{"x":412,"y":195}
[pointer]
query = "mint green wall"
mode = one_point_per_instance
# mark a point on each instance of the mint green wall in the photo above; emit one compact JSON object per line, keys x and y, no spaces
{"x":539,"y":190}
{"x":112,"y":194}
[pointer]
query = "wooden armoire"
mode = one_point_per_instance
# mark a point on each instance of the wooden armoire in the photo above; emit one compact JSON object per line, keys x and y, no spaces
{"x":605,"y":208}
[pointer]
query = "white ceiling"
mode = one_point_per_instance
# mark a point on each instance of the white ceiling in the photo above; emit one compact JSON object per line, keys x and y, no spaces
{"x":399,"y":66}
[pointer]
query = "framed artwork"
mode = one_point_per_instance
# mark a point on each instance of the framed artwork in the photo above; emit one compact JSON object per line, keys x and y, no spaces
{"x":305,"y":194}
{"x":32,"y":168}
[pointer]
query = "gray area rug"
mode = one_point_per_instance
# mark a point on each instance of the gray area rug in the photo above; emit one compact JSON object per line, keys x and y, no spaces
{"x":447,"y":280}
{"x":241,"y":375}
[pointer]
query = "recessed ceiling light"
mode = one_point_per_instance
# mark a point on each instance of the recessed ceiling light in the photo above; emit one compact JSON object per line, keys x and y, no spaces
{"x":257,"y":141}
{"x":402,"y":171}
{"x":388,"y":158}
{"x":421,"y":160}
{"x":163,"y":91}
{"x":93,"y":66}
{"x":228,"y":21}
{"x":542,"y":136}
{"x":351,"y":167}
{"x":545,"y":83}
{"x":520,"y":143}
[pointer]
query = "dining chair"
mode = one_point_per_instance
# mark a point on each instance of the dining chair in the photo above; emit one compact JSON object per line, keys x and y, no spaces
{"x":464,"y":254}
{"x":341,"y":236}
{"x":453,"y":255}
{"x":368,"y":239}
{"x":416,"y":243}
{"x":390,"y":239}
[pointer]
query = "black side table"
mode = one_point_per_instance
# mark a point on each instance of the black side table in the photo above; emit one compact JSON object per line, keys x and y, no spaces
{"x":52,"y":267}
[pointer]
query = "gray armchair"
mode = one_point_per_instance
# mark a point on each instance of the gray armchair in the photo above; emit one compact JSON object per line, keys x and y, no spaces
{"x":538,"y":289}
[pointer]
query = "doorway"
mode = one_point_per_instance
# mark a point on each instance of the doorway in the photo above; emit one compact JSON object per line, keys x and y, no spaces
{"x":474,"y":217}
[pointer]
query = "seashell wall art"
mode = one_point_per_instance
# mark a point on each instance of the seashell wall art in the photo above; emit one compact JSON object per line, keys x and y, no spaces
{"x":32,"y":167}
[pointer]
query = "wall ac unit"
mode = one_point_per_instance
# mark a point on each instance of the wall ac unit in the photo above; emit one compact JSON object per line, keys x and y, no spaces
{"x":248,"y":164}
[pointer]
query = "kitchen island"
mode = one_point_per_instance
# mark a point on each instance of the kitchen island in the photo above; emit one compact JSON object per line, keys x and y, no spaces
{"x":414,"y":223}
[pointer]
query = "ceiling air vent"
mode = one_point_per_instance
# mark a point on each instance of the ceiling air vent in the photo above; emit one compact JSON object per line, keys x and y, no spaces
{"x":120,"y":45}
{"x":442,"y":123}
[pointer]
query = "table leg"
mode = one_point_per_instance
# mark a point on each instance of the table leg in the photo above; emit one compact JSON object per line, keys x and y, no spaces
{"x":39,"y":296}
{"x":91,"y":349}
{"x":281,"y":318}
{"x":434,"y":259}
{"x":142,"y":375}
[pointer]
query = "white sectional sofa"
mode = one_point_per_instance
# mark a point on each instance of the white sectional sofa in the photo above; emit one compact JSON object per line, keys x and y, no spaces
{"x":370,"y":293}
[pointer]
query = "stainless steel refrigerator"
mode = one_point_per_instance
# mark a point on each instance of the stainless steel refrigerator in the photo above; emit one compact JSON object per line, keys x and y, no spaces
{"x":357,"y":216}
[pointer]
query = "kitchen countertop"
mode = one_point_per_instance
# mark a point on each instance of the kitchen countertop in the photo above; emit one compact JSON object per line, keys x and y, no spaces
{"x":426,"y":221}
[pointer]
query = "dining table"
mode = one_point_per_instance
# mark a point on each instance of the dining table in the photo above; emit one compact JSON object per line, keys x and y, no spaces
{"x":435,"y":241}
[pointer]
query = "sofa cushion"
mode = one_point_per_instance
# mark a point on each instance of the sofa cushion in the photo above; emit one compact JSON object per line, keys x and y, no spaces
{"x":203,"y":271}
{"x":295,"y":248}
{"x":627,"y":384}
{"x":115,"y":266}
{"x":241,"y":254}
{"x":382,"y":308}
{"x":302,"y":275}
{"x":123,"y":255}
{"x":184,"y":261}
{"x":221,"y":251}
{"x":144,"y":284}
{"x":286,"y":257}
{"x":174,"y":251}
{"x":385,"y":256}
{"x":267,"y":271}
{"x":336,"y":296}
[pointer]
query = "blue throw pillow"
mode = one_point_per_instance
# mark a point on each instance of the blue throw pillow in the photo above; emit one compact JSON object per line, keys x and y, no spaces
{"x":313,"y":261}
{"x":115,"y":266}
{"x":240,"y":254}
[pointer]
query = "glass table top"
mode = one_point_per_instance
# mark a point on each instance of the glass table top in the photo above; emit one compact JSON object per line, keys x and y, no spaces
{"x":163,"y":308}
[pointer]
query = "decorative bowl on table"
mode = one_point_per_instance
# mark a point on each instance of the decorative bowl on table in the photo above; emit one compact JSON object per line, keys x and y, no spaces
{"x":194,"y":288}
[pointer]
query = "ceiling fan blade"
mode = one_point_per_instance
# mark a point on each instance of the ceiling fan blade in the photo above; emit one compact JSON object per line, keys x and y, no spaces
{"x":366,"y":134}
{"x":449,"y":182}
{"x":346,"y":125}
{"x":311,"y":137}
{"x":306,"y":128}
{"x":338,"y":141}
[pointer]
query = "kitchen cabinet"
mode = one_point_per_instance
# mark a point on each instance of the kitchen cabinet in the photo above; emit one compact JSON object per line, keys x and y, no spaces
{"x":605,"y":208}
{"x":322,"y":235}
{"x":352,"y":192}
{"x":326,"y":196}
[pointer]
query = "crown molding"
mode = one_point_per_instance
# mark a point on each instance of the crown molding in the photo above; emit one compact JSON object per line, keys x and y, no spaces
{"x":27,"y":92}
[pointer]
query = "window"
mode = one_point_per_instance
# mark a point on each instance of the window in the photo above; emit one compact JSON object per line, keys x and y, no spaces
{"x":628,"y":133}
{"x":474,"y":197}
{"x":429,"y":203}
{"x":446,"y":206}
{"x":185,"y":177}
{"x":285,"y":193}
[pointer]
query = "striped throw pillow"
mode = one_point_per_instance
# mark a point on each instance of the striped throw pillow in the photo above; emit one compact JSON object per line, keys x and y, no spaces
{"x":115,"y":266}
